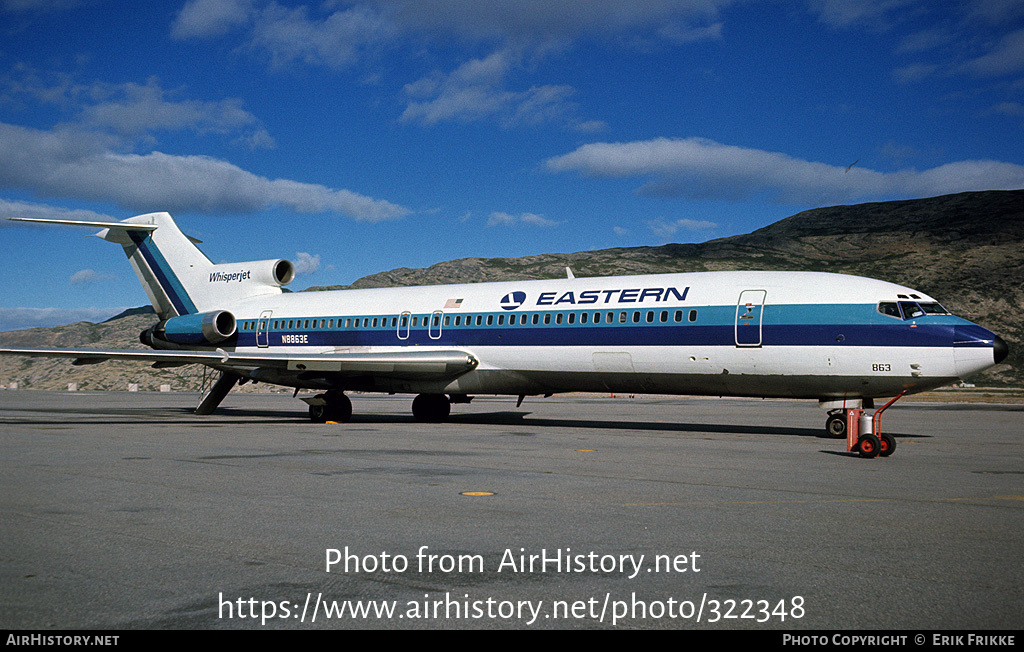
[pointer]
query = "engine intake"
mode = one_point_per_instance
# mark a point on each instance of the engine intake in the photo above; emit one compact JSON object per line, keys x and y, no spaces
{"x":205,"y":328}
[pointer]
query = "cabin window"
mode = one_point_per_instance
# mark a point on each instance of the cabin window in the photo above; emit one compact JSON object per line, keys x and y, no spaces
{"x":501,"y":320}
{"x":536,"y":318}
{"x":650,"y":316}
{"x":330,"y":323}
{"x":572,"y":318}
{"x":479,"y":320}
{"x":622,"y":318}
{"x":291,"y":323}
{"x":583,"y":318}
{"x":447,"y":320}
{"x":636,"y":317}
{"x":609,"y":318}
{"x":490,"y":320}
{"x":664,"y":316}
{"x":693,"y":316}
{"x":558,"y":318}
{"x":547,"y":318}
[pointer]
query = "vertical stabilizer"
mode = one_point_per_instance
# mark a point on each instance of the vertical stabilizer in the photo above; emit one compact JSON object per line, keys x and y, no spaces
{"x":161,"y":258}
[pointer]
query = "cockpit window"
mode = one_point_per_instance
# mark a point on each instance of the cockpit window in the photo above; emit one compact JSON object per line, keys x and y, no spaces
{"x":890,"y":308}
{"x":933,"y":308}
{"x":911,"y":310}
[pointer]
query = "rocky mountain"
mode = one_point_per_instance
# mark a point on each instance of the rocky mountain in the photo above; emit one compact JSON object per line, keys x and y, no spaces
{"x":966,"y":250}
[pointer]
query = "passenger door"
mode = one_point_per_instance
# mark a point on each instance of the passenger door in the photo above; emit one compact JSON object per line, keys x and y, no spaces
{"x":263,"y":329}
{"x":749,"y":317}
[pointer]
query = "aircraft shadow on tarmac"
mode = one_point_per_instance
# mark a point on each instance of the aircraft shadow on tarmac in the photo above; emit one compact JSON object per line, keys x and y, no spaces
{"x":523,"y":419}
{"x":228,"y":416}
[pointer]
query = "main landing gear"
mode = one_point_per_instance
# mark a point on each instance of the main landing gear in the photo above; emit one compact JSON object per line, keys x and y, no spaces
{"x":431,"y":408}
{"x":863,"y":433}
{"x":332,"y":406}
{"x":335,"y":406}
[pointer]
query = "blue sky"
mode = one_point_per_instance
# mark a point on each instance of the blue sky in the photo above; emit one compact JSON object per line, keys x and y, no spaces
{"x":354,"y":137}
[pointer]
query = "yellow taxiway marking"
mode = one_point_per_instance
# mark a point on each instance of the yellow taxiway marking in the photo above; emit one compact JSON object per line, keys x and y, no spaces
{"x":476,"y":493}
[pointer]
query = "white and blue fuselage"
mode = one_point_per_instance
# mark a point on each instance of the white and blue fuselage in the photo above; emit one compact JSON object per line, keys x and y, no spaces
{"x":840,"y":339}
{"x":779,"y":334}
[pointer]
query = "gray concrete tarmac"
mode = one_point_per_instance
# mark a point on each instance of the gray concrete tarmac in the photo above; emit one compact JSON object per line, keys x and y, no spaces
{"x":126,"y":511}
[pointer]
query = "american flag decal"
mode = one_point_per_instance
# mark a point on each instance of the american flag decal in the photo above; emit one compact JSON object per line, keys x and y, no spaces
{"x":453,"y":303}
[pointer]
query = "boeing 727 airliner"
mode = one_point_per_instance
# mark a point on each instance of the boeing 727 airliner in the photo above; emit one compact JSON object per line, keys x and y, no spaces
{"x":842,"y":340}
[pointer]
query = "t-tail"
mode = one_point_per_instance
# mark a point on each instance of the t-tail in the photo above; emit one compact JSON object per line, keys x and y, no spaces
{"x":189,"y":293}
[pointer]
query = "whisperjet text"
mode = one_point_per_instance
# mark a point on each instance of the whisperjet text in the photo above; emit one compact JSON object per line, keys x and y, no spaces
{"x":221,"y":277}
{"x":628,"y":295}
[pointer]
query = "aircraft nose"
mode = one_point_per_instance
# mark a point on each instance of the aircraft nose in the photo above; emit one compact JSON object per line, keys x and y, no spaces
{"x":999,"y":349}
{"x":971,"y":351}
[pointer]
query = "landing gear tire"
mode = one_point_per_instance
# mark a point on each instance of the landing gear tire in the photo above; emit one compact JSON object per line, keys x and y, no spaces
{"x":868,"y":446}
{"x":888,"y":445}
{"x":835,"y":426}
{"x":337,"y":407}
{"x":431,"y":408}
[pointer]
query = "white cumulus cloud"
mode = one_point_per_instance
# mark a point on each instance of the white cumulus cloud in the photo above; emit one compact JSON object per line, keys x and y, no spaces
{"x":506,"y":219}
{"x":87,"y":276}
{"x":306,"y":263}
{"x":75,"y":164}
{"x":698,"y":168}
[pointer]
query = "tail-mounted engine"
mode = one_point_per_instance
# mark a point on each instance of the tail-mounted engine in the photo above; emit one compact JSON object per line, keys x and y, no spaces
{"x":207,"y":328}
{"x":268,"y":273}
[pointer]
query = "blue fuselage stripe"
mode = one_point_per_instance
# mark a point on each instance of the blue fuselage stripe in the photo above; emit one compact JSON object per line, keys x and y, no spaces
{"x":715,"y":327}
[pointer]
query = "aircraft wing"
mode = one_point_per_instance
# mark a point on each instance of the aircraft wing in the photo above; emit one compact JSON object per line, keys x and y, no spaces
{"x":394,"y":364}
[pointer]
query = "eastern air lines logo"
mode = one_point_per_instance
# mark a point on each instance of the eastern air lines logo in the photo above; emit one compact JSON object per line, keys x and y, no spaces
{"x":513,"y":300}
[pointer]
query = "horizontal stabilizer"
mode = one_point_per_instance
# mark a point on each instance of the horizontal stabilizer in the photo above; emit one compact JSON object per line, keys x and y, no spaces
{"x":126,"y":226}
